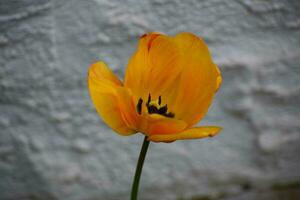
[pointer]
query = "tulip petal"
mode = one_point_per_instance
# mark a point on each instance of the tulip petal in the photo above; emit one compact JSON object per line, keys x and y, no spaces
{"x":153,"y":67}
{"x":100,"y":71}
{"x":106,"y":93}
{"x":219,"y":78}
{"x":198,"y":80}
{"x":155,"y":124}
{"x":192,"y":133}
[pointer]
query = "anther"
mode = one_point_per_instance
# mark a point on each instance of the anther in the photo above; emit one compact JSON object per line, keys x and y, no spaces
{"x":163,"y":110}
{"x":149,"y":99}
{"x":139,"y":106}
{"x":170,"y":114}
{"x":154,"y":108}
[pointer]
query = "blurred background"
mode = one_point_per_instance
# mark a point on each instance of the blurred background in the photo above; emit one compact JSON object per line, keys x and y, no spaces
{"x":53,"y":144}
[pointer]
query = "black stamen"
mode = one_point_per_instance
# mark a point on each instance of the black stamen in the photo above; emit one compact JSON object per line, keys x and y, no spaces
{"x":149,"y":99}
{"x":163,"y":110}
{"x":170,"y":114}
{"x":139,"y":106}
{"x":152,"y":109}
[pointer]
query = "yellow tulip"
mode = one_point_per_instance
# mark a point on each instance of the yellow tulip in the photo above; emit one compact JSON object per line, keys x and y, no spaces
{"x":169,"y":85}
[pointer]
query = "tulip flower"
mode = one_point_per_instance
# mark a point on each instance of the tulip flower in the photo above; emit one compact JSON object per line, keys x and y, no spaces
{"x":169,"y":84}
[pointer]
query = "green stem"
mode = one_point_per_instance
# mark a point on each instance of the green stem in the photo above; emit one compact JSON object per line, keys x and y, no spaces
{"x":138,"y":170}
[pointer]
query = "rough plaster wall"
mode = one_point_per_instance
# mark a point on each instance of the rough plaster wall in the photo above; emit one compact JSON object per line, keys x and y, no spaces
{"x":53,"y":145}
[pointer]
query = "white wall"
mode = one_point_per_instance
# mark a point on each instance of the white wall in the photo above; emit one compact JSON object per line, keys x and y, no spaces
{"x":53,"y":145}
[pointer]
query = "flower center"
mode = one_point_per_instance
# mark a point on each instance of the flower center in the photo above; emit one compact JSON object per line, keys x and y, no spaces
{"x":154,"y":106}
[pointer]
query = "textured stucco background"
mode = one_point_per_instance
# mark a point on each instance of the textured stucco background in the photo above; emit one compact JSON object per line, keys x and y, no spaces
{"x":53,"y":145}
